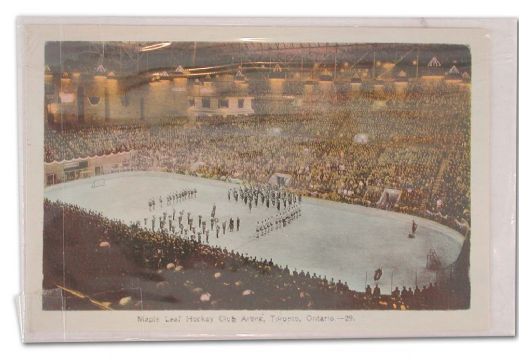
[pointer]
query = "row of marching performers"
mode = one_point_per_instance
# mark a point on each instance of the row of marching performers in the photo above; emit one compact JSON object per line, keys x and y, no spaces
{"x":278,"y":221}
{"x":184,"y":225}
{"x":172,"y":198}
{"x":267,"y":195}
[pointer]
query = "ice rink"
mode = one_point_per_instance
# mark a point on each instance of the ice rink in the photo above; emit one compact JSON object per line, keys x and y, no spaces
{"x":331,"y":239}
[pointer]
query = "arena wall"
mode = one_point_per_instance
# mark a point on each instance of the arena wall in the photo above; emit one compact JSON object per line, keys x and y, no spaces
{"x":73,"y":98}
{"x":101,"y":99}
{"x":68,"y":170}
{"x":233,"y":108}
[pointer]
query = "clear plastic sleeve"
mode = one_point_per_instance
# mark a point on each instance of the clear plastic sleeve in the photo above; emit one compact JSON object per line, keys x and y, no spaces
{"x":196,"y":178}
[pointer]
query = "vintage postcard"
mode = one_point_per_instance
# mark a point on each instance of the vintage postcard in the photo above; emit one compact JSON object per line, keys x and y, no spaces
{"x":198,"y":182}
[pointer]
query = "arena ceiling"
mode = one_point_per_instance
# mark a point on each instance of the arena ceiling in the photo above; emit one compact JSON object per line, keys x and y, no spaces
{"x":203,"y":58}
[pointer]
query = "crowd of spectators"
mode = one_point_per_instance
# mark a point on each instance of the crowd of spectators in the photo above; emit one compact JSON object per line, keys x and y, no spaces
{"x":101,"y":262}
{"x":406,"y":140}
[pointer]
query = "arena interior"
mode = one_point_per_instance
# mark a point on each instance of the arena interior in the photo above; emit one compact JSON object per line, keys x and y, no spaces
{"x":255,"y":175}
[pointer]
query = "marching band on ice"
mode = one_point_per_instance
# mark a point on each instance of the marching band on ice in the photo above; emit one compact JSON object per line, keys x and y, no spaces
{"x":199,"y":227}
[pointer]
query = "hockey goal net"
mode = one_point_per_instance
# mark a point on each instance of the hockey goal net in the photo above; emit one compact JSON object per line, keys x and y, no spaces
{"x":98,"y":183}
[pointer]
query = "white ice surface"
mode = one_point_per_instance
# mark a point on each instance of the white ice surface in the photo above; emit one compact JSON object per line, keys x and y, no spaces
{"x":331,"y":239}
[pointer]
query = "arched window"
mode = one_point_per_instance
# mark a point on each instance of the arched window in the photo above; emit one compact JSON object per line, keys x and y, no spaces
{"x":94,"y":100}
{"x":223,"y":103}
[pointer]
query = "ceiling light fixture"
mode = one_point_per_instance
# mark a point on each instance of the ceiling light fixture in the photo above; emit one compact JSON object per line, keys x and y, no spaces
{"x":152,"y":47}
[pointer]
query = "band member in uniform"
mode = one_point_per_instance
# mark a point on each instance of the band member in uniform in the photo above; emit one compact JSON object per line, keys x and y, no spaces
{"x":414,"y":227}
{"x":376,"y":291}
{"x":368,"y":290}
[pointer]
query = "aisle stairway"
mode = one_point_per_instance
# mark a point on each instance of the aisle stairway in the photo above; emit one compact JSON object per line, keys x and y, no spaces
{"x":444,"y":165}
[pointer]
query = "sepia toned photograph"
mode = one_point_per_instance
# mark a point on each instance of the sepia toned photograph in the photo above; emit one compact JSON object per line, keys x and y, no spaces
{"x":256,"y":176}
